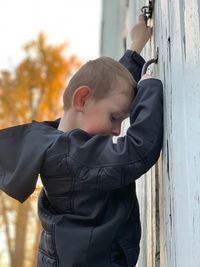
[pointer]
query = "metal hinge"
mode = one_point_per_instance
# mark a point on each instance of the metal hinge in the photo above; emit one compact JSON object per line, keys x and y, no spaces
{"x":149,"y":62}
{"x":148,"y":10}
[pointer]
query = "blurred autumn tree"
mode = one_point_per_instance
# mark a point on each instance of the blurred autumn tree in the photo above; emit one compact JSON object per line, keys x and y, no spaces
{"x":32,"y":92}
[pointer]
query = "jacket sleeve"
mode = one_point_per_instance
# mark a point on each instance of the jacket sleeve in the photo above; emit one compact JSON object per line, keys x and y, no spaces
{"x":134,"y":63}
{"x":108,"y":166}
{"x":21,"y":154}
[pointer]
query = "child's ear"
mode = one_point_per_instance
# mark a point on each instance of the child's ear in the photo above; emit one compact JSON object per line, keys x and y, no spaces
{"x":80,"y":95}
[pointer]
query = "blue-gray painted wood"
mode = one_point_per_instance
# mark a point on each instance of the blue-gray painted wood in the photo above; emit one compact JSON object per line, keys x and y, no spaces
{"x":169,"y":194}
{"x":113,"y":28}
{"x":179,"y":38}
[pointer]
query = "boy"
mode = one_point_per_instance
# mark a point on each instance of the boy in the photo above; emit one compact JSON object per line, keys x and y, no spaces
{"x":88,"y":207}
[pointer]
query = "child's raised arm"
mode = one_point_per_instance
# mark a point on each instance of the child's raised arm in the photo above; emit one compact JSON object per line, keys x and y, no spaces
{"x":140,"y":34}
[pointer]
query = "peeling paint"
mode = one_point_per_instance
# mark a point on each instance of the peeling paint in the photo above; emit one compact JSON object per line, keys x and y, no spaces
{"x":169,"y":194}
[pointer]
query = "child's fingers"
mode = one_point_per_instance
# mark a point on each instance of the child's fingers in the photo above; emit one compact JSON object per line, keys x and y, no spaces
{"x":146,"y":76}
{"x":142,"y":18}
{"x":150,"y":29}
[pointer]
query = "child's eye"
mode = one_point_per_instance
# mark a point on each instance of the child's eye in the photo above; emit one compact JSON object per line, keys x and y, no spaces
{"x":113,"y":119}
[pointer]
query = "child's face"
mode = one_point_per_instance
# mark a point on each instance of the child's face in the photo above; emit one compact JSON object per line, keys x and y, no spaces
{"x":106,"y":115}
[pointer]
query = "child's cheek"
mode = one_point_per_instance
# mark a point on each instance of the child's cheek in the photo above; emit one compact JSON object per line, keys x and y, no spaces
{"x":99,"y":127}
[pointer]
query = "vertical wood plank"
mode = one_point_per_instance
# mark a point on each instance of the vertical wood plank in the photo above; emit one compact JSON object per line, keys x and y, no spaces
{"x":169,"y":194}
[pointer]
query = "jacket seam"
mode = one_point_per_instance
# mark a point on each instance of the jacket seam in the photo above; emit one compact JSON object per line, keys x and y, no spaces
{"x":55,"y":155}
{"x":142,"y":158}
{"x":54,"y":247}
{"x":117,"y":164}
{"x":90,"y":240}
{"x":46,"y":254}
{"x":54,"y":244}
{"x":27,"y":131}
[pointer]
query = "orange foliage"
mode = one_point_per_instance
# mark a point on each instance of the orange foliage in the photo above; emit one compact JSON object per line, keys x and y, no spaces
{"x":32,"y":92}
{"x":35,"y":90}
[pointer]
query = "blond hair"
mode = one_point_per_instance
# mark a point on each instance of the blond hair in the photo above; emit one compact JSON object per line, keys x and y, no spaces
{"x":101,"y":75}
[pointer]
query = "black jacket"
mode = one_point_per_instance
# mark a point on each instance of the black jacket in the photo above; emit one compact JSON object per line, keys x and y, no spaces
{"x":88,"y":207}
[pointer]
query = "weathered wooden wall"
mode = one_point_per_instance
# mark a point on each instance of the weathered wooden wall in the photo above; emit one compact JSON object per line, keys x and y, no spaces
{"x":178,"y":37}
{"x":169,"y":194}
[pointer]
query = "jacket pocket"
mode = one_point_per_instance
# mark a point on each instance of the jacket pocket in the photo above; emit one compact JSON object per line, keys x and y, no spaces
{"x":47,"y":256}
{"x":124,"y":253}
{"x":117,"y":256}
{"x":130,"y":250}
{"x":73,"y":241}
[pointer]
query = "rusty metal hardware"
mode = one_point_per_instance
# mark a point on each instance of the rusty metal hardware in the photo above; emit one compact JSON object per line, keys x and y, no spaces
{"x":148,"y":63}
{"x":148,"y":10}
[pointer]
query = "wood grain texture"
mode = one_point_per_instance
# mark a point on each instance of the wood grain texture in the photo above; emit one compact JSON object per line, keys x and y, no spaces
{"x":169,"y":194}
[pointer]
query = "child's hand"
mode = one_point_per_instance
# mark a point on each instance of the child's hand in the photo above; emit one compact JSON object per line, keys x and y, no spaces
{"x":140,"y":34}
{"x":145,"y":76}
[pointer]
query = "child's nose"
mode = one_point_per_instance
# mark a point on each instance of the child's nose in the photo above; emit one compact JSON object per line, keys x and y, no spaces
{"x":116,"y":131}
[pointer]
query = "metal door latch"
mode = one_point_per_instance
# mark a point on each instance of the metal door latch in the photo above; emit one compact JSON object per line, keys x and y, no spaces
{"x":148,"y":10}
{"x":149,"y":62}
